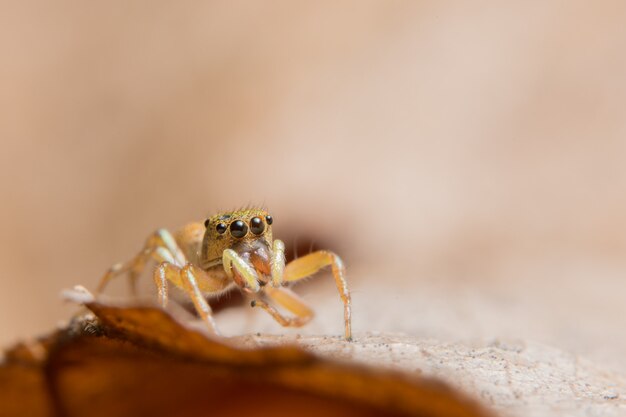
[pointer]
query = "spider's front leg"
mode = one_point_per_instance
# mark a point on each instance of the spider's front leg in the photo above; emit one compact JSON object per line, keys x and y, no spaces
{"x":308,"y":265}
{"x":195,"y":281}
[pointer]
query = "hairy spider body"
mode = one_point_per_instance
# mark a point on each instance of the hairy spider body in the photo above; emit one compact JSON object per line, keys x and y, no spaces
{"x":228,"y":250}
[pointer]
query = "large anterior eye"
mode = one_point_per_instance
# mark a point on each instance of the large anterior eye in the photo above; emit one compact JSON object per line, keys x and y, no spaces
{"x":256,"y":225}
{"x":238,"y":229}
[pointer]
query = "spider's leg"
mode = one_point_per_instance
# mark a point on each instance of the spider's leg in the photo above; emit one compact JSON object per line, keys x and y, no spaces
{"x":195,"y":281}
{"x":160,"y":246}
{"x":162,"y":274}
{"x":312,"y":263}
{"x":290,"y":301}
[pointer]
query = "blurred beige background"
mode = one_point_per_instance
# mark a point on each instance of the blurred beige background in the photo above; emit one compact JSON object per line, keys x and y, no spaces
{"x":466,"y":159}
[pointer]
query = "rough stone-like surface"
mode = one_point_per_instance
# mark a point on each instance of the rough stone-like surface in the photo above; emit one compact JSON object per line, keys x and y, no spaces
{"x":513,"y":378}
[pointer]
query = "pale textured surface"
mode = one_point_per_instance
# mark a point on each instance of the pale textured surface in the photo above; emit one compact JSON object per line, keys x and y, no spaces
{"x":512,"y":378}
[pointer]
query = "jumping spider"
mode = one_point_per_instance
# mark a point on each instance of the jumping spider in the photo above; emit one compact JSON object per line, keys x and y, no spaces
{"x":229,"y":250}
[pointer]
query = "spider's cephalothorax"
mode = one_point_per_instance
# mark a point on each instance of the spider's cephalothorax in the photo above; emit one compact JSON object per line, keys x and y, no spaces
{"x":228,"y":250}
{"x":244,"y":235}
{"x":243,"y":231}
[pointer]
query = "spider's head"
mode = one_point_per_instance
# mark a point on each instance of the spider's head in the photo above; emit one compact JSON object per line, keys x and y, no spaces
{"x":247,"y":231}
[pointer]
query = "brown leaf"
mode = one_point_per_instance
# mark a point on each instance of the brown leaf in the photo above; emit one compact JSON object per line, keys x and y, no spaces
{"x":140,"y":361}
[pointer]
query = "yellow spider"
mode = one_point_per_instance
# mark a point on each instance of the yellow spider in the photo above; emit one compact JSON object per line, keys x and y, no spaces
{"x":233,"y":249}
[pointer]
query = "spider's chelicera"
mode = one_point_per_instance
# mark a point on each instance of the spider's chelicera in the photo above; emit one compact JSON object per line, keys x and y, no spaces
{"x":205,"y":261}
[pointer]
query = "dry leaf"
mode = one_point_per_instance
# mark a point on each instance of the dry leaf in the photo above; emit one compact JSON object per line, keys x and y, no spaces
{"x":140,"y":361}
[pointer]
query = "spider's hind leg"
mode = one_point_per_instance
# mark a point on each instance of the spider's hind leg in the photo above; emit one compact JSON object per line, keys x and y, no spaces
{"x":161,"y":246}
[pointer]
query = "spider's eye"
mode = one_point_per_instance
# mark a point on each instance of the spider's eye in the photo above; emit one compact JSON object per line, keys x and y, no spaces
{"x":256,"y":225}
{"x":269,"y":219}
{"x":206,"y":223}
{"x":238,"y":229}
{"x":221,"y":228}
